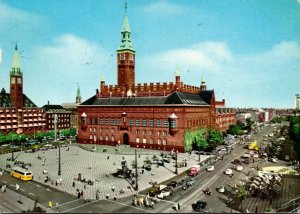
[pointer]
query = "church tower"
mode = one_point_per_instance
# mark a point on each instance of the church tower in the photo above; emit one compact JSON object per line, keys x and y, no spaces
{"x":78,"y":96}
{"x":16,"y":81}
{"x":203,"y":84}
{"x":126,"y":57}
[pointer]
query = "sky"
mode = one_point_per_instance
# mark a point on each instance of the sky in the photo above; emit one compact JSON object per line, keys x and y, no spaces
{"x":247,"y":50}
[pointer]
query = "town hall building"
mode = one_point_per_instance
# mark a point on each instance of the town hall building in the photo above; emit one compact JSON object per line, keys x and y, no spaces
{"x":152,"y":116}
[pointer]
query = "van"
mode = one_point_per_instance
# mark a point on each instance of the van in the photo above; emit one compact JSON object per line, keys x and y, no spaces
{"x":21,"y":173}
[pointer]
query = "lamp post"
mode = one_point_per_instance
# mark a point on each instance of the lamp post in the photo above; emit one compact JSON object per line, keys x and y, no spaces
{"x":55,"y":139}
{"x":136,"y":172}
{"x":12,"y":149}
{"x":176,"y":164}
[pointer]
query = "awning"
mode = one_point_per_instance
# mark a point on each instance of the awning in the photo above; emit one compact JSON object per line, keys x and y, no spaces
{"x":25,"y":125}
{"x":8,"y":121}
{"x":35,"y":119}
{"x":8,"y":115}
{"x":25,"y":115}
{"x":30,"y":124}
{"x":25,"y":120}
{"x":14,"y":115}
{"x":30,"y":119}
{"x":2,"y":115}
{"x":30,"y":115}
{"x":19,"y":109}
{"x":21,"y":125}
{"x":9,"y":127}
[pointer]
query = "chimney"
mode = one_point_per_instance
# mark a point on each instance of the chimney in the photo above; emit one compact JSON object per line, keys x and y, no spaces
{"x":48,"y":102}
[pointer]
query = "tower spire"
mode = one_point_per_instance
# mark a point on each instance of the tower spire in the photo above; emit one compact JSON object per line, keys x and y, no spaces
{"x":78,"y":96}
{"x":16,"y":65}
{"x":203,"y":84}
{"x":126,"y":34}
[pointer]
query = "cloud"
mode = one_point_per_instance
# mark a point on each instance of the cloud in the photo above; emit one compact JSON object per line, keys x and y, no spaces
{"x":163,"y":7}
{"x":59,"y":66}
{"x":265,"y":79}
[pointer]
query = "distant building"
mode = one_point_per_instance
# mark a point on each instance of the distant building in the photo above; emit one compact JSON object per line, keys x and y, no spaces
{"x":241,"y":117}
{"x":224,"y":118}
{"x":63,"y":116}
{"x":153,"y":116}
{"x":17,"y":112}
{"x":297,"y":101}
{"x":73,"y":109}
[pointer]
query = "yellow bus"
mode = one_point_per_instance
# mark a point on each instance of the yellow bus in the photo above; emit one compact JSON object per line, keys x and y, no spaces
{"x":21,"y":173}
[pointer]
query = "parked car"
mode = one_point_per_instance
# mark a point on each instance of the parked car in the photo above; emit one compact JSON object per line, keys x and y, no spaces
{"x":221,"y":189}
{"x":164,"y":193}
{"x":228,"y":172}
{"x":236,"y":161}
{"x":172,"y":184}
{"x":191,"y":182}
{"x":274,"y":160}
{"x":199,"y":205}
{"x":239,"y":168}
{"x":210,"y":168}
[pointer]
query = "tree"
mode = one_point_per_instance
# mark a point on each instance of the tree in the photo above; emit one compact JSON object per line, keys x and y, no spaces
{"x":242,"y":194}
{"x":249,"y":123}
{"x":215,"y":137}
{"x":235,"y":129}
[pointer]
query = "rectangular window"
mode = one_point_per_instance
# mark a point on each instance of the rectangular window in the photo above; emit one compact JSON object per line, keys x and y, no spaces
{"x":159,"y":141}
{"x":164,"y":133}
{"x":158,"y":133}
{"x":144,"y":122}
{"x":112,"y":131}
{"x":137,"y":132}
{"x":144,"y":140}
{"x":118,"y":121}
{"x":151,"y":133}
{"x":100,"y":130}
{"x":94,"y":129}
{"x":96,"y":121}
{"x":164,"y":142}
{"x":131,"y":122}
{"x":112,"y":138}
{"x":106,"y":121}
{"x":158,"y":123}
{"x":101,"y":121}
{"x":106,"y":137}
{"x":91,"y":129}
{"x":91,"y":121}
{"x":112,"y":121}
{"x":91,"y":137}
{"x":166,"y":123}
{"x":173,"y":123}
{"x":144,"y":132}
{"x":101,"y":138}
{"x":137,"y":140}
{"x":151,"y":123}
{"x":137,"y":122}
{"x":151,"y":141}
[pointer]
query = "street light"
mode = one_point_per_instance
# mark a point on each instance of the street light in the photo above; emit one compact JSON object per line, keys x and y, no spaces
{"x":55,"y":139}
{"x":176,"y":164}
{"x":136,"y":172}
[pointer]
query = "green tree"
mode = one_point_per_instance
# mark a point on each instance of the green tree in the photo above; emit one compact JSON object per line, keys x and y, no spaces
{"x":249,"y":123}
{"x":235,"y":129}
{"x":215,"y":137}
{"x":242,"y":194}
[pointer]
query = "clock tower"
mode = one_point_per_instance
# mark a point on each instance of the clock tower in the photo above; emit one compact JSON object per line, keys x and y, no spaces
{"x":126,"y":57}
{"x":16,"y":81}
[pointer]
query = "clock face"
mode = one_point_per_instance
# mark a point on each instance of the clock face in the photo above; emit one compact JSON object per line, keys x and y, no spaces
{"x":19,"y":80}
{"x":122,"y":56}
{"x":13,"y":80}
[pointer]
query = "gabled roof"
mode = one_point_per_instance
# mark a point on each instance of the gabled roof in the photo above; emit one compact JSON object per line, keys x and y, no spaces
{"x":6,"y":102}
{"x":176,"y":98}
{"x":207,"y":95}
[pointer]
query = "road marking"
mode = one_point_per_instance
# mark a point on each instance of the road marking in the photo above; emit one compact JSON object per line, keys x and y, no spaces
{"x":68,"y":202}
{"x":31,"y":193}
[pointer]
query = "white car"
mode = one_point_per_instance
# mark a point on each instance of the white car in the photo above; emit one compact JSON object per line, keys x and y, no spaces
{"x":274,"y":160}
{"x":239,"y":168}
{"x":228,"y":172}
{"x":210,"y":168}
{"x":246,"y":155}
{"x":221,"y":189}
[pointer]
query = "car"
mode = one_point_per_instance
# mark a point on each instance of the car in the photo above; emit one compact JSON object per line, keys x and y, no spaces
{"x":228,"y":172}
{"x":191,"y":182}
{"x":239,"y":168}
{"x":221,"y":189}
{"x":164,"y":193}
{"x":172,"y":184}
{"x":274,"y":160}
{"x":210,"y":168}
{"x":199,"y":205}
{"x":246,"y":155}
{"x":236,"y":161}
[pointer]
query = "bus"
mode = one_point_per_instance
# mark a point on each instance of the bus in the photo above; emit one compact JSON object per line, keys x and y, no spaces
{"x":21,"y":173}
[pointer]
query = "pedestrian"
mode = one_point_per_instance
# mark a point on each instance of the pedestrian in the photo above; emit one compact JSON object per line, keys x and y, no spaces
{"x":4,"y":188}
{"x":178,"y":206}
{"x":56,"y":182}
{"x":73,"y":184}
{"x":78,"y":194}
{"x":81,"y":193}
{"x":142,"y":171}
{"x":107,"y":196}
{"x":17,"y":187}
{"x":84,"y":186}
{"x":97,"y":195}
{"x":108,"y":157}
{"x":113,"y":188}
{"x":115,"y":197}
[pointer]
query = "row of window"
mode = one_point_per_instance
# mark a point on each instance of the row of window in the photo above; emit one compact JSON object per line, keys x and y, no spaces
{"x":137,"y":122}
{"x":59,"y":121}
{"x":59,"y":126}
{"x":59,"y":115}
{"x":137,"y":140}
{"x":137,"y":132}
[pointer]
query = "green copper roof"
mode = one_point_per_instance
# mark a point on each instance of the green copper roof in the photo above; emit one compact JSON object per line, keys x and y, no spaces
{"x":78,"y":91}
{"x":126,"y":36}
{"x":16,"y":65}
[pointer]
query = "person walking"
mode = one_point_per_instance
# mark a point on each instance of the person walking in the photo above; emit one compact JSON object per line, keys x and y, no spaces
{"x":17,"y":187}
{"x":81,"y":193}
{"x":4,"y":188}
{"x":178,"y":206}
{"x":107,"y":196}
{"x":113,"y":188}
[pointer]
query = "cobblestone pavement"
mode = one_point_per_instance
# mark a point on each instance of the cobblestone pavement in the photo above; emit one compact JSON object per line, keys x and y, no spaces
{"x":94,"y":166}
